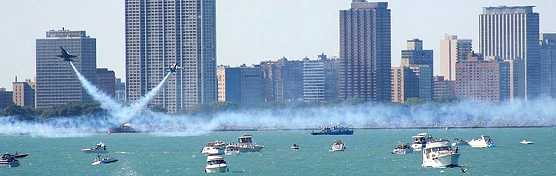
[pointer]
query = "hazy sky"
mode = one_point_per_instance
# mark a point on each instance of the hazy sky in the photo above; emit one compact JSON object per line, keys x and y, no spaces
{"x":248,"y":31}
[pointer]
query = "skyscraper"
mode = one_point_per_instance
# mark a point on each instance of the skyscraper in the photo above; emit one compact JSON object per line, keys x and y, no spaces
{"x":548,"y":58}
{"x":415,"y":55}
{"x":106,"y":81}
{"x":452,"y":50}
{"x":120,"y":91}
{"x":319,"y":80}
{"x":512,"y":33}
{"x":57,"y":83}
{"x":161,"y":33}
{"x":364,"y":67}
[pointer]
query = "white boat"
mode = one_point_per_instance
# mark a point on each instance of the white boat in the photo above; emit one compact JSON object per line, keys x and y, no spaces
{"x":525,"y":141}
{"x":419,"y":141}
{"x":99,"y":148}
{"x":103,"y":160}
{"x":338,"y":145}
{"x":439,"y":154}
{"x":295,"y":147}
{"x":459,"y":142}
{"x":8,"y":160}
{"x":245,"y":144}
{"x":482,"y":142}
{"x":401,"y":149}
{"x":214,"y":148}
{"x":216,"y":164}
{"x":231,"y":150}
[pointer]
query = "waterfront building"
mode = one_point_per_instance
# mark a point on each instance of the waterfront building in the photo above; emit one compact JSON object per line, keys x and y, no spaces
{"x":415,"y":55}
{"x":244,"y":86}
{"x":56,"y":82}
{"x":548,"y":69}
{"x":511,"y":33}
{"x":443,"y":90}
{"x":120,"y":91}
{"x":319,"y":80}
{"x":484,"y":80}
{"x":364,"y":64}
{"x":161,"y":33}
{"x":23,"y":93}
{"x":106,"y":81}
{"x":5,"y":98}
{"x":452,"y":50}
{"x":221,"y":79}
{"x":283,"y":81}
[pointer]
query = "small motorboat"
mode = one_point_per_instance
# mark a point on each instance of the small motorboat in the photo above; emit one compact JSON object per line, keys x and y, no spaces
{"x":103,"y":160}
{"x":459,"y":142}
{"x":214,"y":148}
{"x":338,"y":145}
{"x":20,"y":155}
{"x":482,"y":142}
{"x":216,"y":164}
{"x":8,"y":160}
{"x":99,"y":148}
{"x":246,"y":144}
{"x":525,"y":141}
{"x":401,"y":149}
{"x":294,"y":147}
{"x":231,"y":150}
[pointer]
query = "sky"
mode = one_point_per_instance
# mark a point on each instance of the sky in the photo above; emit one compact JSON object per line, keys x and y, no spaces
{"x":248,"y":31}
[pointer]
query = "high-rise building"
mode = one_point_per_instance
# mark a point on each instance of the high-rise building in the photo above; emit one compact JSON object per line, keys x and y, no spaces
{"x":443,"y":90}
{"x":56,"y":82}
{"x":221,"y":79}
{"x":283,"y":81}
{"x":483,"y":80}
{"x":405,"y":84}
{"x":452,"y":50}
{"x":23,"y":94}
{"x":548,"y":58}
{"x":513,"y":33}
{"x":364,"y":64}
{"x":244,"y":86}
{"x":106,"y":81}
{"x":415,"y":55}
{"x":162,"y":33}
{"x":423,"y":73}
{"x":120,"y":91}
{"x":5,"y":98}
{"x":319,"y":80}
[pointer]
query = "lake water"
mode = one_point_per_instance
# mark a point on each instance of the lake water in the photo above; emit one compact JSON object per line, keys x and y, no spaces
{"x":367,"y":153}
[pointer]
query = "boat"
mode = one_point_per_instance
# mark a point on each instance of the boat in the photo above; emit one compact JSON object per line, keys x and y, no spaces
{"x":334,"y":130}
{"x":401,"y":149}
{"x":231,"y":150}
{"x":20,"y":155}
{"x":294,"y":147}
{"x":420,"y":141}
{"x":481,"y":142}
{"x":338,"y":145}
{"x":214,"y":148}
{"x":123,"y":128}
{"x":459,"y":142}
{"x":99,"y":148}
{"x":525,"y":141}
{"x":440,"y":154}
{"x":245,"y":144}
{"x":8,"y":160}
{"x":216,"y":164}
{"x":103,"y":160}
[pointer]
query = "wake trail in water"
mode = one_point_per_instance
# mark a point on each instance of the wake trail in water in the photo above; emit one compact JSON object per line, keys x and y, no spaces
{"x":126,"y":114}
{"x":105,"y":101}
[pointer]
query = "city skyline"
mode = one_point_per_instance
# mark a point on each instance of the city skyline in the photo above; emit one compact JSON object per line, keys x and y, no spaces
{"x":259,"y":42}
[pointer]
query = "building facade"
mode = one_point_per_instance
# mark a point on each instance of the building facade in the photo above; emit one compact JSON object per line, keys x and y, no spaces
{"x":106,"y":81}
{"x":452,"y":50}
{"x":483,"y":80}
{"x":548,"y":69}
{"x":443,"y":90}
{"x":56,"y":82}
{"x":221,"y":79}
{"x":5,"y":98}
{"x":513,"y":33}
{"x":244,"y":86}
{"x":364,"y":64}
{"x":283,"y":81}
{"x":23,"y":94}
{"x":120,"y":91}
{"x":405,"y":84}
{"x":415,"y":55}
{"x":319,"y":80}
{"x":162,"y":33}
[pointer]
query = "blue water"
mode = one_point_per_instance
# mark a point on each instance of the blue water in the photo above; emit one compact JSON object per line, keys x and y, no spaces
{"x":367,"y":153}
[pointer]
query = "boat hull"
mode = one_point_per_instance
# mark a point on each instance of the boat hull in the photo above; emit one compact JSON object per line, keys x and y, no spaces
{"x":443,"y":161}
{"x":13,"y":163}
{"x":417,"y":147}
{"x":216,"y":169}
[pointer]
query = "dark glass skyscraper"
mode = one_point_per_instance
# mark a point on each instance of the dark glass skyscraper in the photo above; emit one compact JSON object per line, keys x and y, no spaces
{"x":364,"y":67}
{"x":161,"y":33}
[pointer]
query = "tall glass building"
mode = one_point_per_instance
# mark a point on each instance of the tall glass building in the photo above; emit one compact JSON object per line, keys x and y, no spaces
{"x":161,"y":33}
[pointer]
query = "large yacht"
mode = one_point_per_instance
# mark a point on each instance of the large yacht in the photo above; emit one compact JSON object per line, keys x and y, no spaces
{"x":334,"y":130}
{"x":245,"y":144}
{"x":8,"y":160}
{"x":214,"y":148}
{"x":440,"y":154}
{"x":481,"y":142}
{"x":337,"y":146}
{"x":216,"y":164}
{"x":420,"y":141}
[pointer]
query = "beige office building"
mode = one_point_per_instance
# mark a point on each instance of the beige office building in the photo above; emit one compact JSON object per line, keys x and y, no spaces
{"x":452,"y":50}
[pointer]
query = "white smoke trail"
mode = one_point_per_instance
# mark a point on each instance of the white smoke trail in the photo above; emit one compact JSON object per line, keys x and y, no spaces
{"x":464,"y":114}
{"x":105,"y":101}
{"x":127,"y":113}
